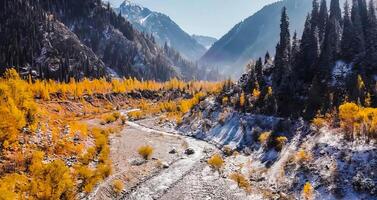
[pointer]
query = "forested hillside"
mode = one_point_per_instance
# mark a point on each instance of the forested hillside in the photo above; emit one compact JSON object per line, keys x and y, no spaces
{"x":333,"y":62}
{"x":306,"y":120}
{"x":63,"y":39}
{"x":36,"y":43}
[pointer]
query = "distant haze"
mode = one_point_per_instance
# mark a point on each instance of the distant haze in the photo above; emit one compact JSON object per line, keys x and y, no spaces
{"x":204,"y":17}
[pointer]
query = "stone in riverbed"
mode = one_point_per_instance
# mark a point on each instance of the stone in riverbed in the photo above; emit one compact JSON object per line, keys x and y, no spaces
{"x":165,"y":165}
{"x":173,"y":151}
{"x":137,"y":161}
{"x":189,"y":151}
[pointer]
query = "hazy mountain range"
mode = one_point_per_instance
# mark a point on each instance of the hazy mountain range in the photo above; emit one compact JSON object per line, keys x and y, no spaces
{"x":206,"y":41}
{"x":256,"y":35}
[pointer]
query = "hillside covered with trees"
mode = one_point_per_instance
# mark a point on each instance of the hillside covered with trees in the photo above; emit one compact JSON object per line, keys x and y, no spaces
{"x":74,"y":39}
{"x":333,"y":62}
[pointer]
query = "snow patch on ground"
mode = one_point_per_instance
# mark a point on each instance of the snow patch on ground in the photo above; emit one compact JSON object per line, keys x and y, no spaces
{"x":340,"y":72}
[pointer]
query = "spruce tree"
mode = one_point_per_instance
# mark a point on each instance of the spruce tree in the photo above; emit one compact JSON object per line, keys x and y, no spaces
{"x":357,"y":42}
{"x":331,"y":43}
{"x":309,"y":52}
{"x":371,"y":37}
{"x":295,"y":49}
{"x":335,"y":11}
{"x":363,"y":11}
{"x":259,"y":68}
{"x":267,"y":57}
{"x":347,"y":50}
{"x":282,"y":79}
{"x":315,"y":14}
{"x":283,"y":48}
{"x":323,"y":17}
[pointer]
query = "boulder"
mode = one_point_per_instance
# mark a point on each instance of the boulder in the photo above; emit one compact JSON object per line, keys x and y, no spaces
{"x":173,"y":151}
{"x":189,"y":151}
{"x":137,"y":161}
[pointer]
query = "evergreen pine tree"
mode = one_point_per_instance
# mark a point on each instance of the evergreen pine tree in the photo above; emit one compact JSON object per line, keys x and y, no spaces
{"x":309,"y":52}
{"x":363,"y":11}
{"x":347,"y":50}
{"x":315,"y":14}
{"x":267,"y":57}
{"x":335,"y":11}
{"x":331,"y":44}
{"x":282,"y":79}
{"x":259,"y":69}
{"x":283,"y":49}
{"x":371,"y":38}
{"x":357,"y":43}
{"x":323,"y":17}
{"x":295,"y":49}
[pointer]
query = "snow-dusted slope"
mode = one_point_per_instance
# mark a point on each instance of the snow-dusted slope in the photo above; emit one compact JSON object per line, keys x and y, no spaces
{"x":335,"y":167}
{"x":164,"y":29}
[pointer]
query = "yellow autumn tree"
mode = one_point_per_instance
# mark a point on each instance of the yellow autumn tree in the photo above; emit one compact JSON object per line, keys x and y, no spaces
{"x":50,"y":181}
{"x":242,"y":99}
{"x":216,"y":162}
{"x":308,"y":191}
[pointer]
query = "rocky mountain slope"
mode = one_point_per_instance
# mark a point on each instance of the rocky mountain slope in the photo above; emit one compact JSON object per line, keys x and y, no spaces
{"x":206,"y":41}
{"x":163,"y":29}
{"x":333,"y":166}
{"x":35,"y":42}
{"x":75,"y":39}
{"x":255,"y":35}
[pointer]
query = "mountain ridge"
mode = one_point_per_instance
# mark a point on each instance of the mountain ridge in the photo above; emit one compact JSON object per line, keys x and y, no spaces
{"x":206,"y":41}
{"x":255,"y":35}
{"x":77,"y":39}
{"x":163,"y":28}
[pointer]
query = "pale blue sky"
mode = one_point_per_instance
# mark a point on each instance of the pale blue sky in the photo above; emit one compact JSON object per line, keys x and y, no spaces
{"x":205,"y":17}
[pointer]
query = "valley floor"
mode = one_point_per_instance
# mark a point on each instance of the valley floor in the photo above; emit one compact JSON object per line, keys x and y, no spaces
{"x":167,"y":175}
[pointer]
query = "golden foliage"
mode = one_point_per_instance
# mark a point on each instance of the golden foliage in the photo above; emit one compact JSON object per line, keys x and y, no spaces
{"x":242,"y":99}
{"x":41,"y":115}
{"x":256,"y":94}
{"x":43,"y":89}
{"x":241,"y":181}
{"x":135,"y":115}
{"x":302,"y":156}
{"x":308,"y":191}
{"x":319,"y":121}
{"x":280,"y":142}
{"x":145,"y":151}
{"x":52,"y":181}
{"x":358,"y":121}
{"x":13,"y":186}
{"x":118,"y":186}
{"x":269,"y":91}
{"x":110,"y":118}
{"x":225,"y":100}
{"x":18,"y":109}
{"x":264,"y":137}
{"x":216,"y":162}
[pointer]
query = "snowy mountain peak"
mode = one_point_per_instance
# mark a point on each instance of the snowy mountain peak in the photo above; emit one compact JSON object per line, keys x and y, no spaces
{"x":129,"y":3}
{"x":164,"y":29}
